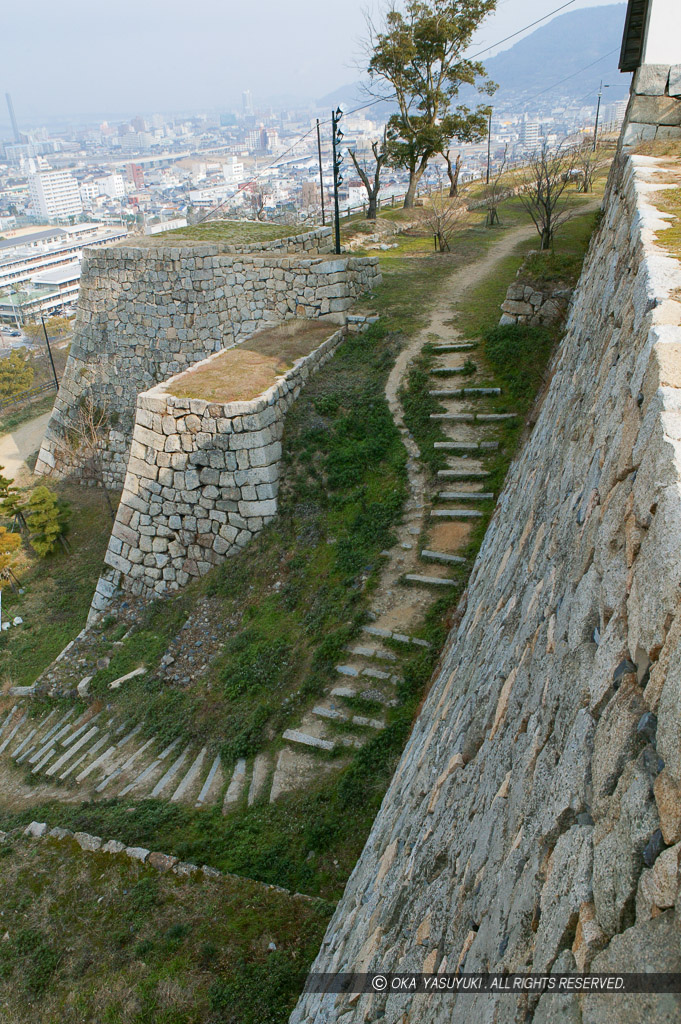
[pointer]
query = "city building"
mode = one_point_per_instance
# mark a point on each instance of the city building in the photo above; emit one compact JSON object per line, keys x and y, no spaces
{"x":54,"y":195}
{"x":135,"y":175}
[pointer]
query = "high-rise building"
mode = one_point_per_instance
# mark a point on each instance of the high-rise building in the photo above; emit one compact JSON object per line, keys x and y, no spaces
{"x":54,"y":195}
{"x":12,"y":117}
{"x":247,"y":102}
{"x":530,"y":134}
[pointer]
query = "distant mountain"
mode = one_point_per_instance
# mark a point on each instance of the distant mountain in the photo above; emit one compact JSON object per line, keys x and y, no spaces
{"x":560,"y":50}
{"x":556,"y":51}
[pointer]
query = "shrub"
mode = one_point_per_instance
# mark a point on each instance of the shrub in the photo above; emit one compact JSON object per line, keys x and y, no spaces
{"x":15,"y":375}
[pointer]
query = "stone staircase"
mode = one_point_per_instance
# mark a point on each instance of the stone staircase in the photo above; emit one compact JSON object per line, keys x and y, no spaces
{"x":100,"y":755}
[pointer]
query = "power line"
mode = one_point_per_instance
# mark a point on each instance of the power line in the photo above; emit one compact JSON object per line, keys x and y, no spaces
{"x":520,"y":31}
{"x":573,"y":75}
{"x":384,"y":99}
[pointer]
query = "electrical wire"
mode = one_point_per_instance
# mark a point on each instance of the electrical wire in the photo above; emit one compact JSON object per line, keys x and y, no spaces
{"x":573,"y":75}
{"x":384,"y":99}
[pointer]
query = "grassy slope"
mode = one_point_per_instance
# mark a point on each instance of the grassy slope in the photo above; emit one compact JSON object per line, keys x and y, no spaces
{"x":57,"y":590}
{"x":95,"y":937}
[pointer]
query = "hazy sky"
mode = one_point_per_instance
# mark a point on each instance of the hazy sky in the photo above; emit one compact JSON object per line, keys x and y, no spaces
{"x":73,"y":58}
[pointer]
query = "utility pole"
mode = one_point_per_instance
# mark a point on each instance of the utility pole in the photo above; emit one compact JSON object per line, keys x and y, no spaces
{"x":321,"y":175}
{"x":337,"y":136}
{"x":49,"y":350}
{"x":598,"y":110}
{"x":489,"y":143}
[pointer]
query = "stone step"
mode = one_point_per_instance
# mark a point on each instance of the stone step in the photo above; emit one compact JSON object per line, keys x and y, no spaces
{"x":464,"y":392}
{"x":210,"y":779}
{"x":121,"y":769}
{"x":73,"y":749}
{"x":456,"y":513}
{"x":465,"y":496}
{"x":166,"y":779}
{"x":435,"y":581}
{"x":454,"y":417}
{"x":86,"y":753}
{"x":258,"y":778}
{"x":495,"y":417}
{"x":26,"y":739}
{"x":457,"y":346}
{"x":47,"y":756}
{"x":50,"y":738}
{"x":466,"y":446}
{"x":295,"y":736}
{"x":55,"y":727}
{"x":97,"y":763}
{"x":236,"y":785}
{"x":190,"y":778}
{"x":343,"y":691}
{"x":463,"y":474}
{"x":371,"y":673}
{"x":79,"y":730}
{"x":149,"y":770}
{"x":323,"y":712}
{"x":7,"y":720}
{"x":401,"y":638}
{"x":447,"y":371}
{"x":12,"y":733}
{"x":372,"y":652}
{"x":441,"y":556}
{"x":372,"y":723}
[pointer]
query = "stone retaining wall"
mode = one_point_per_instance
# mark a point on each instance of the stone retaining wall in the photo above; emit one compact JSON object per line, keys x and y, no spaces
{"x":147,"y":313}
{"x":202,"y":479}
{"x":528,"y":303}
{"x":534,"y":820}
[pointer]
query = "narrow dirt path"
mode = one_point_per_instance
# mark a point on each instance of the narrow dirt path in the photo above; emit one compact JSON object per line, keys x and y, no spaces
{"x":18,"y":446}
{"x":397,"y":607}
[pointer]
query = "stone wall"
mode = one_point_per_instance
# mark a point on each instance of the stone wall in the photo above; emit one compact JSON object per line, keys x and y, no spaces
{"x":527,"y":302}
{"x":202,"y":479}
{"x":654,"y":110}
{"x":146,"y":313}
{"x":534,"y":820}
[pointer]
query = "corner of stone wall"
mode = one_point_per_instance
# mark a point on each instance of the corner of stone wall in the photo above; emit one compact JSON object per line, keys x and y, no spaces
{"x":654,"y":110}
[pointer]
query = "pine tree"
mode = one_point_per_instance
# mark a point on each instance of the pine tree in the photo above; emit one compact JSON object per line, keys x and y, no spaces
{"x":11,"y":502}
{"x":47,"y":521}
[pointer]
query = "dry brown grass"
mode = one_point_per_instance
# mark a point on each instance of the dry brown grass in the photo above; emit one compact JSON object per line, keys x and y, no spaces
{"x":244,"y":372}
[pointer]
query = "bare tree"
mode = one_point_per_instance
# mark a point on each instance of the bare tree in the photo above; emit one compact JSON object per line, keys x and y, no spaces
{"x":587,"y":162}
{"x":547,"y":177}
{"x":453,"y":171}
{"x":84,"y":442}
{"x":372,"y":187}
{"x":443,"y":214}
{"x":494,"y":193}
{"x":256,"y":201}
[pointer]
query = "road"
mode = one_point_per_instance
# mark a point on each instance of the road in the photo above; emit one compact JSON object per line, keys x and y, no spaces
{"x":15,"y":448}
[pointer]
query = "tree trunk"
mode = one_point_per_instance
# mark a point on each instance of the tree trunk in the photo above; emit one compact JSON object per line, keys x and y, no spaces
{"x":371,"y":212}
{"x":453,"y":175}
{"x":410,"y":195}
{"x":546,"y":238}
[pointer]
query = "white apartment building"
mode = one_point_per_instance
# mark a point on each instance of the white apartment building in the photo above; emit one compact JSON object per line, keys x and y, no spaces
{"x":233,"y":171}
{"x":54,"y":195}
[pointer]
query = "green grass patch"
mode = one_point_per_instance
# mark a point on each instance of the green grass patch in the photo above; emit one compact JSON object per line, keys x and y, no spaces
{"x":230,"y":232}
{"x":99,"y":938}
